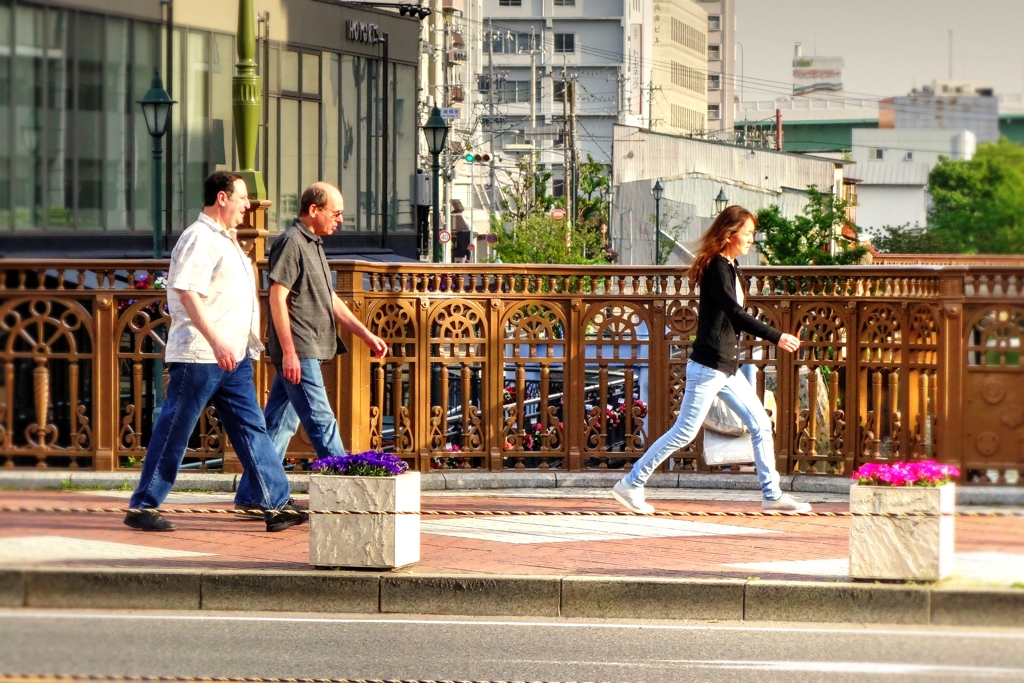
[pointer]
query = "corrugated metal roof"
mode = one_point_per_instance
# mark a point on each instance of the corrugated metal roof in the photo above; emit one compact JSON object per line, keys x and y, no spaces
{"x":642,"y":155}
{"x":883,"y":173}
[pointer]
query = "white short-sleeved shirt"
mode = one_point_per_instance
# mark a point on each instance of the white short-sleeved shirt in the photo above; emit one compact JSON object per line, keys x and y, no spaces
{"x":209,"y":261}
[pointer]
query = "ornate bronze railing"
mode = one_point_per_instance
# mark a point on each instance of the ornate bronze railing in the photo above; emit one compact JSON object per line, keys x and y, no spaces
{"x":495,"y":367}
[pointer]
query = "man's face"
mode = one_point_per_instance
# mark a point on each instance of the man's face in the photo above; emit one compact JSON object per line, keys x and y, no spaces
{"x":325,"y":219}
{"x":237,"y":204}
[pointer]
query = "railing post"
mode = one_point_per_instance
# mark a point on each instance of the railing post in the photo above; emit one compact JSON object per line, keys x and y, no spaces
{"x":852,"y":407}
{"x":788,"y":388}
{"x":353,"y":368}
{"x":105,"y":392}
{"x":494,"y":442}
{"x":950,"y":390}
{"x":252,"y":235}
{"x":573,"y":386}
{"x":420,"y":382}
{"x":658,"y":416}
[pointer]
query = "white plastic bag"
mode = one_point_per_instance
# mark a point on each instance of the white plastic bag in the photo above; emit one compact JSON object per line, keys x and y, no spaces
{"x":725,"y":449}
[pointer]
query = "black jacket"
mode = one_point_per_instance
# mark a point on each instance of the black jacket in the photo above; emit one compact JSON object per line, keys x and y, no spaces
{"x":720,"y":319}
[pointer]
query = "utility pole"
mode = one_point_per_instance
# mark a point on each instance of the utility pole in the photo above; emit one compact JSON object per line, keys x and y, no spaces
{"x":778,"y":130}
{"x":533,"y":110}
{"x":620,"y":96}
{"x":446,"y":162}
{"x":169,"y":159}
{"x":566,"y":148}
{"x":651,"y":89}
{"x":571,"y":85}
{"x":490,"y":98}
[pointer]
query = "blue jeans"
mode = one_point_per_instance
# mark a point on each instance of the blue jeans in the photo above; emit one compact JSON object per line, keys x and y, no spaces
{"x":232,"y":394}
{"x":702,"y":385}
{"x":290,"y":405}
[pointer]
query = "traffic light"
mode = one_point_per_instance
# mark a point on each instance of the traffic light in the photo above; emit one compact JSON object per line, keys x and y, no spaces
{"x":477,"y":158}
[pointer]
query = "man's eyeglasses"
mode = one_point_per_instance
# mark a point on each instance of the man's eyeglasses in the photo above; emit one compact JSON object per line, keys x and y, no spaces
{"x":336,"y":214}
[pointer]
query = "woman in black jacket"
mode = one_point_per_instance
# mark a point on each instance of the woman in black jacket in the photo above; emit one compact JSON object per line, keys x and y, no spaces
{"x":713,"y":367}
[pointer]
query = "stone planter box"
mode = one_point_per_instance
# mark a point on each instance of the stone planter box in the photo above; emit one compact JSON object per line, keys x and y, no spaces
{"x":364,"y":541}
{"x":907,"y":548}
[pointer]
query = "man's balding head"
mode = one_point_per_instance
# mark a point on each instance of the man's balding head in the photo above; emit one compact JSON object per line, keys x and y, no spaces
{"x":318,"y":195}
{"x":322,"y":208}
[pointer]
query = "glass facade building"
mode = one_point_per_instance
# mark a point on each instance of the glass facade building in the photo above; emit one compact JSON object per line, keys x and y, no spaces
{"x":76,"y":157}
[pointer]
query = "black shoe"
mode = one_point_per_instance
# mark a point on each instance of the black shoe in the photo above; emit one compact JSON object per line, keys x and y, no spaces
{"x":290,"y":514}
{"x":248,"y":513}
{"x":148,"y":520}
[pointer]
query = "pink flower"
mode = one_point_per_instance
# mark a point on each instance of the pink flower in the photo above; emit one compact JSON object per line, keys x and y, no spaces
{"x":914,"y":473}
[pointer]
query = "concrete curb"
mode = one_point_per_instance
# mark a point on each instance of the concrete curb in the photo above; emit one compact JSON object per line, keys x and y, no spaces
{"x":597,"y":597}
{"x":510,"y":596}
{"x":475,"y":481}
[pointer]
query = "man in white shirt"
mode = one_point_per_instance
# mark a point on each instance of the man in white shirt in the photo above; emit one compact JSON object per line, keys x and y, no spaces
{"x":214,"y":337}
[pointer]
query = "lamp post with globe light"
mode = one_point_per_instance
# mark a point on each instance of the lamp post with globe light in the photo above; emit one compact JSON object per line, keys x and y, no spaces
{"x":721,"y":201}
{"x":436,"y":132}
{"x":658,"y":190}
{"x":156,"y":109}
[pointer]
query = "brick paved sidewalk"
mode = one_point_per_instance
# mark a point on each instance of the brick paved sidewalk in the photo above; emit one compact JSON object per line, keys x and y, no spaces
{"x":990,"y":551}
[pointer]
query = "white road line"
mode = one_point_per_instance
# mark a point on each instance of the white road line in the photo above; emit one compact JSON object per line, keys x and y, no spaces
{"x":867,"y":630}
{"x":757,"y":665}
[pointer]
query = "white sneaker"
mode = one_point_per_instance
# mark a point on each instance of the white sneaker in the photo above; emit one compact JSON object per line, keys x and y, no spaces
{"x":632,"y":498}
{"x":785,"y":504}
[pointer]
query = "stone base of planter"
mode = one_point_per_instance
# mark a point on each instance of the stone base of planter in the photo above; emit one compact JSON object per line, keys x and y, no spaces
{"x":364,"y":541}
{"x":904,"y":548}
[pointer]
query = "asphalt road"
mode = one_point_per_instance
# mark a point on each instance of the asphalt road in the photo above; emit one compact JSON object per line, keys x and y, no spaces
{"x":428,"y":648}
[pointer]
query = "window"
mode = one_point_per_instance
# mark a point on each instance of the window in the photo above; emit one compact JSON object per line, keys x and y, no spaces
{"x":559,"y":91}
{"x":565,"y":42}
{"x":714,"y":22}
{"x":510,"y":3}
{"x":714,"y":51}
{"x":513,"y":43}
{"x":714,"y":82}
{"x":688,"y":37}
{"x":516,"y":91}
{"x":909,"y":156}
{"x":565,"y":3}
{"x":687,"y":77}
{"x":714,"y":112}
{"x":686,"y":119}
{"x":876,"y":154}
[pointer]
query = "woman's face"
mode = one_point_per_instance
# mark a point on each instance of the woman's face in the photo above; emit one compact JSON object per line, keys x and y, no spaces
{"x":739,"y":243}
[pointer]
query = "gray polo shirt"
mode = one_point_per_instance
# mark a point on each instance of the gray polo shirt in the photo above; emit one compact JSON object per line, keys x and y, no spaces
{"x":298,"y":262}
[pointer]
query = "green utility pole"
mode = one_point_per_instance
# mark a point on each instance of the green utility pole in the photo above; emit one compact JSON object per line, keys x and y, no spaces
{"x":246,"y":92}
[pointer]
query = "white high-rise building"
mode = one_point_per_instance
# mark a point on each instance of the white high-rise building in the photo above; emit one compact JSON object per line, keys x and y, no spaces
{"x":723,"y":67}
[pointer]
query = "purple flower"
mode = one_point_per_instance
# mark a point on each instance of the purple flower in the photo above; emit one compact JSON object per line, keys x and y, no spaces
{"x":368,"y":464}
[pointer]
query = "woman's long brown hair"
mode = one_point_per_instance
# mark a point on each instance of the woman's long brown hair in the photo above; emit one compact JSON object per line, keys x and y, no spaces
{"x":713,"y":242}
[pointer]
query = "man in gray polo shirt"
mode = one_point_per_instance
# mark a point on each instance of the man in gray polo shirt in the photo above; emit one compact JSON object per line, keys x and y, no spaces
{"x":304,"y":309}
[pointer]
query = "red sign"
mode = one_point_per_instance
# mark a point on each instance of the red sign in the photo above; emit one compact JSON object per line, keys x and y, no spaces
{"x":558,"y":213}
{"x":444,"y":237}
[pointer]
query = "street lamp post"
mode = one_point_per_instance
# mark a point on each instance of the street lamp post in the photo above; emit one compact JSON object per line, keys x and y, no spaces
{"x":657,"y":191}
{"x":156,"y":108}
{"x":436,"y":132}
{"x":721,"y":201}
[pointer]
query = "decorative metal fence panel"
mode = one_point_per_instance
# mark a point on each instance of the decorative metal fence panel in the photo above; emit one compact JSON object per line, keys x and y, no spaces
{"x":548,"y":368}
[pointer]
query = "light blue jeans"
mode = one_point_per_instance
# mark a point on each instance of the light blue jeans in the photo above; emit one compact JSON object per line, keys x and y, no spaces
{"x":702,"y":385}
{"x":290,"y":405}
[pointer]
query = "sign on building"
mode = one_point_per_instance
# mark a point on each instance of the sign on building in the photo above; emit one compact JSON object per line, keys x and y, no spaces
{"x":817,"y":75}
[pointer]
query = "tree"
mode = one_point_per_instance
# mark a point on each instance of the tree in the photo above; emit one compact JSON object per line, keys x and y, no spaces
{"x":806,"y":239}
{"x":978,"y":205}
{"x":904,"y":239}
{"x":527,"y":233}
